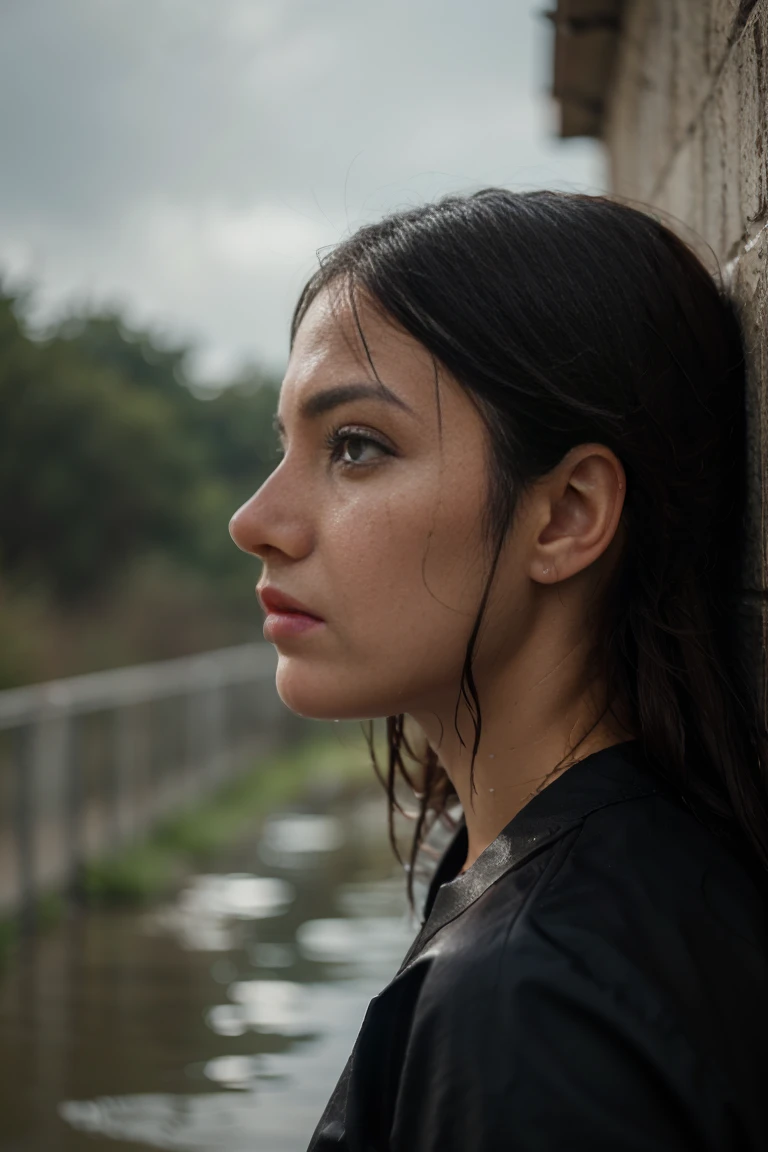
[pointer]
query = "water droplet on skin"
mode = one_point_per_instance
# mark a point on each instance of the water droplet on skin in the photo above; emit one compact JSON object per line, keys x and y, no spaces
{"x":491,"y":789}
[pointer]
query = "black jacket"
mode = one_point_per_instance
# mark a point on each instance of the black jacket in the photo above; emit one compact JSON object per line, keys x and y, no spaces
{"x":597,"y":980}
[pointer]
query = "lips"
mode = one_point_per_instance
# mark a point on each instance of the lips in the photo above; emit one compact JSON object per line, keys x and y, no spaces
{"x":273,"y":600}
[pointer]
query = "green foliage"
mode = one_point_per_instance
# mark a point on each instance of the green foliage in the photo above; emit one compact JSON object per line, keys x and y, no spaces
{"x":134,"y":877}
{"x":108,"y":457}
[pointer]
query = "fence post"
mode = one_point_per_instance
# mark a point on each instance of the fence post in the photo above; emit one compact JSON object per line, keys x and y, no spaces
{"x":74,"y":804}
{"x":123,"y":747}
{"x":25,"y":827}
{"x":194,"y":754}
{"x":213,"y":731}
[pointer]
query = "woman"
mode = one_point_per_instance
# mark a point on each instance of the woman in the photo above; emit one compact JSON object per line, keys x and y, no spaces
{"x":534,"y":543}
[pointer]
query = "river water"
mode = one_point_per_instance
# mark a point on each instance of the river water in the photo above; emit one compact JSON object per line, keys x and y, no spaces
{"x":220,"y":1021}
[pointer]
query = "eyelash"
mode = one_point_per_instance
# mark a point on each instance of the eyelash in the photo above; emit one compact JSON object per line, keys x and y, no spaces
{"x":338,"y":436}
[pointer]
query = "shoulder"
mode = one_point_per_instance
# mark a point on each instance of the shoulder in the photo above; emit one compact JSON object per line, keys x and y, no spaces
{"x":636,"y":872}
{"x":644,"y":900}
{"x":646,"y":875}
{"x":629,"y":989}
{"x":640,"y":914}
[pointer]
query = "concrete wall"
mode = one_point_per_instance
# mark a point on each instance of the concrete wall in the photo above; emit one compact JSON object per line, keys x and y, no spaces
{"x":686,"y":127}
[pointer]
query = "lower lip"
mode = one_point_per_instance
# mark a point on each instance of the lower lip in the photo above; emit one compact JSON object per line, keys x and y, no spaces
{"x":281,"y":624}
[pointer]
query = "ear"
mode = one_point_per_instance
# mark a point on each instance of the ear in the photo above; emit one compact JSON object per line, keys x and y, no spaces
{"x":580,"y":504}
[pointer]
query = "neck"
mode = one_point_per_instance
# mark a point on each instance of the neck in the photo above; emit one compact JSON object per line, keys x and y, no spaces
{"x":539,"y":716}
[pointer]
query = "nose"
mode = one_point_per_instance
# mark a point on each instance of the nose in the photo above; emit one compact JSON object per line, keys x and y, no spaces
{"x":238,"y":528}
{"x":269,"y":522}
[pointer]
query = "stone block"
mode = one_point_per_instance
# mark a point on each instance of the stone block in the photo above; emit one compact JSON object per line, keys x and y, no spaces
{"x":732,"y":121}
{"x":723,"y":226}
{"x":674,"y":56}
{"x":684,"y":24}
{"x":681,"y":195}
{"x":748,"y":284}
{"x":748,"y":61}
{"x":656,"y":119}
{"x":636,"y":109}
{"x":721,"y":27}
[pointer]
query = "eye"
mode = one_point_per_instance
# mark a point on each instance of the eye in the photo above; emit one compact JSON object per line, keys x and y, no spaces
{"x":338,"y":437}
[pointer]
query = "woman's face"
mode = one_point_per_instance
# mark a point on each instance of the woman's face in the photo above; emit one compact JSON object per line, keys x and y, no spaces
{"x":384,"y":542}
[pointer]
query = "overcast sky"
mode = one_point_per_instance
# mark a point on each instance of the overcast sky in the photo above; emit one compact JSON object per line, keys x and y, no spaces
{"x":186,"y":158}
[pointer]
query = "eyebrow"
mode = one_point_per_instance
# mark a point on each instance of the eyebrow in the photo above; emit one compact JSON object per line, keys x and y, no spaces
{"x":321,"y":402}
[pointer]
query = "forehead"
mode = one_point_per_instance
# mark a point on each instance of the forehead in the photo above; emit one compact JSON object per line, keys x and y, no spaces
{"x":329,"y":346}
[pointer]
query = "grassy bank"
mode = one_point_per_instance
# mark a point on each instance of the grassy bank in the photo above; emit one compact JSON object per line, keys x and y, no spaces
{"x":155,"y":865}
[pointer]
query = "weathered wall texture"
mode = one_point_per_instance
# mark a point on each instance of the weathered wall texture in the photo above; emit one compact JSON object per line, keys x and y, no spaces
{"x":686,"y":126}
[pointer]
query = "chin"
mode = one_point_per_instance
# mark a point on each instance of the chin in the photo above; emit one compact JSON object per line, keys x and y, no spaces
{"x":316,"y":696}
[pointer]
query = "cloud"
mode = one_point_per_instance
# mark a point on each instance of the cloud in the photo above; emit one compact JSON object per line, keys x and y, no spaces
{"x":188,"y":158}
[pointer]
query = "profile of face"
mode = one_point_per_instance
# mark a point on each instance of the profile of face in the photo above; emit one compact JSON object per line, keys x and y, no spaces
{"x":380,"y":532}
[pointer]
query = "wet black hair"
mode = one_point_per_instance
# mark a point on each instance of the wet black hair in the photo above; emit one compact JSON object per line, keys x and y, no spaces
{"x":574,"y":319}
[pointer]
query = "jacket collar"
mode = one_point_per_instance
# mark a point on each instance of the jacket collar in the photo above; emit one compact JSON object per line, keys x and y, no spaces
{"x":606,"y":777}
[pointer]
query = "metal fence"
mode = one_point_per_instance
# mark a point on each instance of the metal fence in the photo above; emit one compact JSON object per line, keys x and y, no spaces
{"x":91,"y":762}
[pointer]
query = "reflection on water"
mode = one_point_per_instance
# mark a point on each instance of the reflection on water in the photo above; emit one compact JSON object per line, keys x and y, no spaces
{"x":202,"y":917}
{"x":221,"y":1022}
{"x":287,"y":841}
{"x":342,"y":941}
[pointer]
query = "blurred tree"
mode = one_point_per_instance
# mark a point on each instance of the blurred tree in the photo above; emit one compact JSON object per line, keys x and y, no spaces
{"x":106,"y":455}
{"x":107,"y":342}
{"x":230,"y":426}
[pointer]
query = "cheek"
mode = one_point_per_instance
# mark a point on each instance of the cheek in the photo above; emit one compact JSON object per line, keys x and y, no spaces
{"x":404,"y":581}
{"x":403,"y":564}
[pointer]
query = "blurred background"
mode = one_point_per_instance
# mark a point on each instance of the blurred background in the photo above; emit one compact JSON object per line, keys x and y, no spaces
{"x":186,"y":868}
